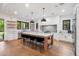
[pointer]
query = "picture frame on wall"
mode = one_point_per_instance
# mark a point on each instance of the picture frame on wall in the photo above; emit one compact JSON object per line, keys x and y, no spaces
{"x":66,"y":24}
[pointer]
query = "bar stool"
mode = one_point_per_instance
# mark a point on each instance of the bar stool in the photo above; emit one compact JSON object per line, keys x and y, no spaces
{"x":28,"y":41}
{"x":32,"y":39}
{"x":23,"y":40}
{"x":35,"y":43}
{"x":39,"y":43}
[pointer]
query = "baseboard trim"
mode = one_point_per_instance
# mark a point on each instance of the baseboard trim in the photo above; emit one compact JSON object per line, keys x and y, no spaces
{"x":64,"y":41}
{"x":10,"y":40}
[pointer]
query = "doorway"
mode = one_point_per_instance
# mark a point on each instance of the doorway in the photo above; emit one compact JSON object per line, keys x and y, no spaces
{"x":1,"y":29}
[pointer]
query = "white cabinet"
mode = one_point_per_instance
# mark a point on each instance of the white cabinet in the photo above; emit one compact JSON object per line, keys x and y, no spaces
{"x":11,"y":30}
{"x":63,"y":37}
{"x":12,"y":35}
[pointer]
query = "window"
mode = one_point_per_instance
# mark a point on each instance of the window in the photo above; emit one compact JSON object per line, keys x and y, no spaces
{"x":27,"y":25}
{"x":23,"y":25}
{"x":18,"y":24}
{"x":66,"y":24}
{"x":1,"y":29}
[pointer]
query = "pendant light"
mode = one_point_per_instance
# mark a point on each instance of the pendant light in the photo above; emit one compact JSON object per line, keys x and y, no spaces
{"x":32,"y":18}
{"x":31,"y":21}
{"x":43,"y":19}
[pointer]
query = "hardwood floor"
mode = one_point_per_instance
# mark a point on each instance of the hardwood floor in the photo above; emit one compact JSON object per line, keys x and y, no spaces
{"x":16,"y":48}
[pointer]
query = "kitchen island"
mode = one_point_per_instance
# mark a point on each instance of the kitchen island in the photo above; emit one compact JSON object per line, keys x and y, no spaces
{"x":37,"y":35}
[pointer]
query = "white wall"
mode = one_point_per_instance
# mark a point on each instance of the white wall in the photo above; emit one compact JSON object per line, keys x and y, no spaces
{"x":77,"y":33}
{"x":64,"y":35}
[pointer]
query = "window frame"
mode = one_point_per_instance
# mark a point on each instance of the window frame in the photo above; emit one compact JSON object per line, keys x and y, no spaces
{"x":19,"y":28}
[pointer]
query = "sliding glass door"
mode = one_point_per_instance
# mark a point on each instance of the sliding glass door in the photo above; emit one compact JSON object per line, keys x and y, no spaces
{"x":1,"y":29}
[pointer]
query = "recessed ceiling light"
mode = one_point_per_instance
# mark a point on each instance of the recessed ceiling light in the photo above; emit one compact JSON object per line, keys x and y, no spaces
{"x":63,"y":10}
{"x":15,"y":12}
{"x":61,"y":4}
{"x":27,"y":5}
{"x":43,"y":15}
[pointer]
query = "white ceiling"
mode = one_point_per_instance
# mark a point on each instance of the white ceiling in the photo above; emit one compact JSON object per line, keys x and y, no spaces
{"x":24,"y":12}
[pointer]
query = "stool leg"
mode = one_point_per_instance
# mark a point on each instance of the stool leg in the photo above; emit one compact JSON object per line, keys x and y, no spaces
{"x":40,"y":48}
{"x":27,"y":43}
{"x":23,"y":41}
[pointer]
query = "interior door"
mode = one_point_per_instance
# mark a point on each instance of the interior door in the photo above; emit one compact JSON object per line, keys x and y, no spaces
{"x":1,"y":29}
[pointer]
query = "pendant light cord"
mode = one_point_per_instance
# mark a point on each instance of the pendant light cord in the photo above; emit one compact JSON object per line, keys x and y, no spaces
{"x":32,"y":15}
{"x":32,"y":18}
{"x":43,"y":12}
